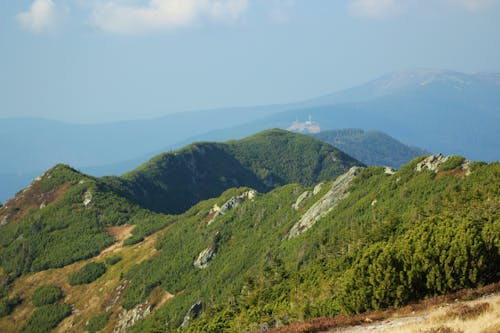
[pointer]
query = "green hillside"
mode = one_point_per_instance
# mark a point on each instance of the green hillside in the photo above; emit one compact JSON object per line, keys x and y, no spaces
{"x":174,"y":181}
{"x":373,"y":148}
{"x":394,"y":239}
{"x":81,"y":253}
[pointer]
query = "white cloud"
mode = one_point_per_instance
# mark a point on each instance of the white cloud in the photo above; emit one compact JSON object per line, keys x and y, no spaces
{"x":280,"y":10}
{"x":376,"y":8}
{"x":156,"y":15}
{"x":41,"y":16}
{"x":473,"y":5}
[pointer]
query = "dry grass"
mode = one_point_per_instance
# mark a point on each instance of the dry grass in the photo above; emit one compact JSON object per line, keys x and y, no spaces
{"x":466,"y":312}
{"x":94,"y":298}
{"x":442,"y":329}
{"x":428,"y":314}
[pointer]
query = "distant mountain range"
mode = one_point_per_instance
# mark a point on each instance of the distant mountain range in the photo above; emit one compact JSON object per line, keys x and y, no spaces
{"x":439,"y":111}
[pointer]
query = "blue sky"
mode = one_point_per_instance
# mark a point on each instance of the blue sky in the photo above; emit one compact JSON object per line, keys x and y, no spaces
{"x":105,"y":60}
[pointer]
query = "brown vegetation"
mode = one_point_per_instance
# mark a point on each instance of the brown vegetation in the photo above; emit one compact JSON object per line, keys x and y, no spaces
{"x":467,"y":312}
{"x":325,"y":324}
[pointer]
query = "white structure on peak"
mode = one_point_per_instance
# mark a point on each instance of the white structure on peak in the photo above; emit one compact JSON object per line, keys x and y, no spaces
{"x":309,"y":126}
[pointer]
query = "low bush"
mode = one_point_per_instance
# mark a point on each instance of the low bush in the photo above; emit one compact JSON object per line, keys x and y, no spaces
{"x":97,"y":323}
{"x":452,"y":163}
{"x":7,"y":305}
{"x":133,"y":240}
{"x":46,"y":317}
{"x":113,"y":260}
{"x":45,"y":295}
{"x":89,"y":273}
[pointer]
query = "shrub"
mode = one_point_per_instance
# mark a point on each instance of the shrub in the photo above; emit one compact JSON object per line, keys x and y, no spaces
{"x":7,"y":305}
{"x":87,"y":274}
{"x":112,"y":260}
{"x":452,"y":163}
{"x":133,"y":240}
{"x":45,"y":295}
{"x":97,"y":323}
{"x":46,"y":317}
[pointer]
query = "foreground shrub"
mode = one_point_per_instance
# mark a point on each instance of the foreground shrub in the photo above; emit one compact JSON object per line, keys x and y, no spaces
{"x":97,"y":323}
{"x":7,"y":305}
{"x":113,"y":260}
{"x":45,"y":295}
{"x":89,"y":273}
{"x":46,"y":317}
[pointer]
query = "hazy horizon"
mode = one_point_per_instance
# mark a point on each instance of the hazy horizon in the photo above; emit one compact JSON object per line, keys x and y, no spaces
{"x":100,"y":61}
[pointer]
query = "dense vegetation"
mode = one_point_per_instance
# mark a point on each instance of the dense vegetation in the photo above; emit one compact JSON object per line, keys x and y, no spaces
{"x":68,"y":230}
{"x":173,"y":182}
{"x":88,"y":273}
{"x":97,"y":323}
{"x":395,"y":239}
{"x":46,"y":317}
{"x":112,"y":260}
{"x":8,"y":304}
{"x":48,"y":294}
{"x":371,"y":147}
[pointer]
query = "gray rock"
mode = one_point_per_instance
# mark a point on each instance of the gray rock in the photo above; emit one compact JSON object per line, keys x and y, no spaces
{"x":193,"y":313}
{"x":431,"y":163}
{"x":129,"y":317}
{"x":339,"y":190}
{"x":389,"y":171}
{"x":87,"y":198}
{"x":5,"y":220}
{"x":301,"y":199}
{"x":318,"y":188}
{"x":230,"y":204}
{"x":204,"y":258}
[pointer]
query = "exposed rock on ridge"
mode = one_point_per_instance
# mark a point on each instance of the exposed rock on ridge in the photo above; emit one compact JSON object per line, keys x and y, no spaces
{"x":230,"y":204}
{"x":339,"y":190}
{"x":301,"y":199}
{"x":432,"y":163}
{"x":204,"y":258}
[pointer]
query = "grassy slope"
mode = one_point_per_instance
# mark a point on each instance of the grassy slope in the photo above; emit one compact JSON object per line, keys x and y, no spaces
{"x":260,"y":279}
{"x":173,"y":182}
{"x":322,"y":272}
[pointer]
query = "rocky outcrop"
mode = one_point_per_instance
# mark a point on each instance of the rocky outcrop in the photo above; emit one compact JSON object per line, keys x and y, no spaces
{"x":127,"y":318}
{"x":204,"y":258}
{"x":230,"y":204}
{"x":193,"y":313}
{"x":389,"y":171}
{"x":301,"y":199}
{"x":87,"y":198}
{"x":339,"y":190}
{"x":4,"y":220}
{"x":432,"y":163}
{"x":318,"y":188}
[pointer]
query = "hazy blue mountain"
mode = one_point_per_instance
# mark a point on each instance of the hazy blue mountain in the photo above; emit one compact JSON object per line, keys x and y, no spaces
{"x":373,"y":148}
{"x":439,"y":111}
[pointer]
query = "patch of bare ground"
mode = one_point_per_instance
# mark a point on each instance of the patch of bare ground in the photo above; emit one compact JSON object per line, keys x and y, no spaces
{"x":428,"y":314}
{"x":92,"y":299}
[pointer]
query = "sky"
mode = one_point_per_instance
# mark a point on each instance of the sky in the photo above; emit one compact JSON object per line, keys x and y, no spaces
{"x":90,"y":61}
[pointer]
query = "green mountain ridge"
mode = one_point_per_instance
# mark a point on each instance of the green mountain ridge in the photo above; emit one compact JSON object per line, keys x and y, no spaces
{"x":174,"y":181}
{"x":242,"y":260}
{"x":373,"y":148}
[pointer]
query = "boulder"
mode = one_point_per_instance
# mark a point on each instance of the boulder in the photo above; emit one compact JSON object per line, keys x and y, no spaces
{"x":301,"y":199}
{"x":339,"y":190}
